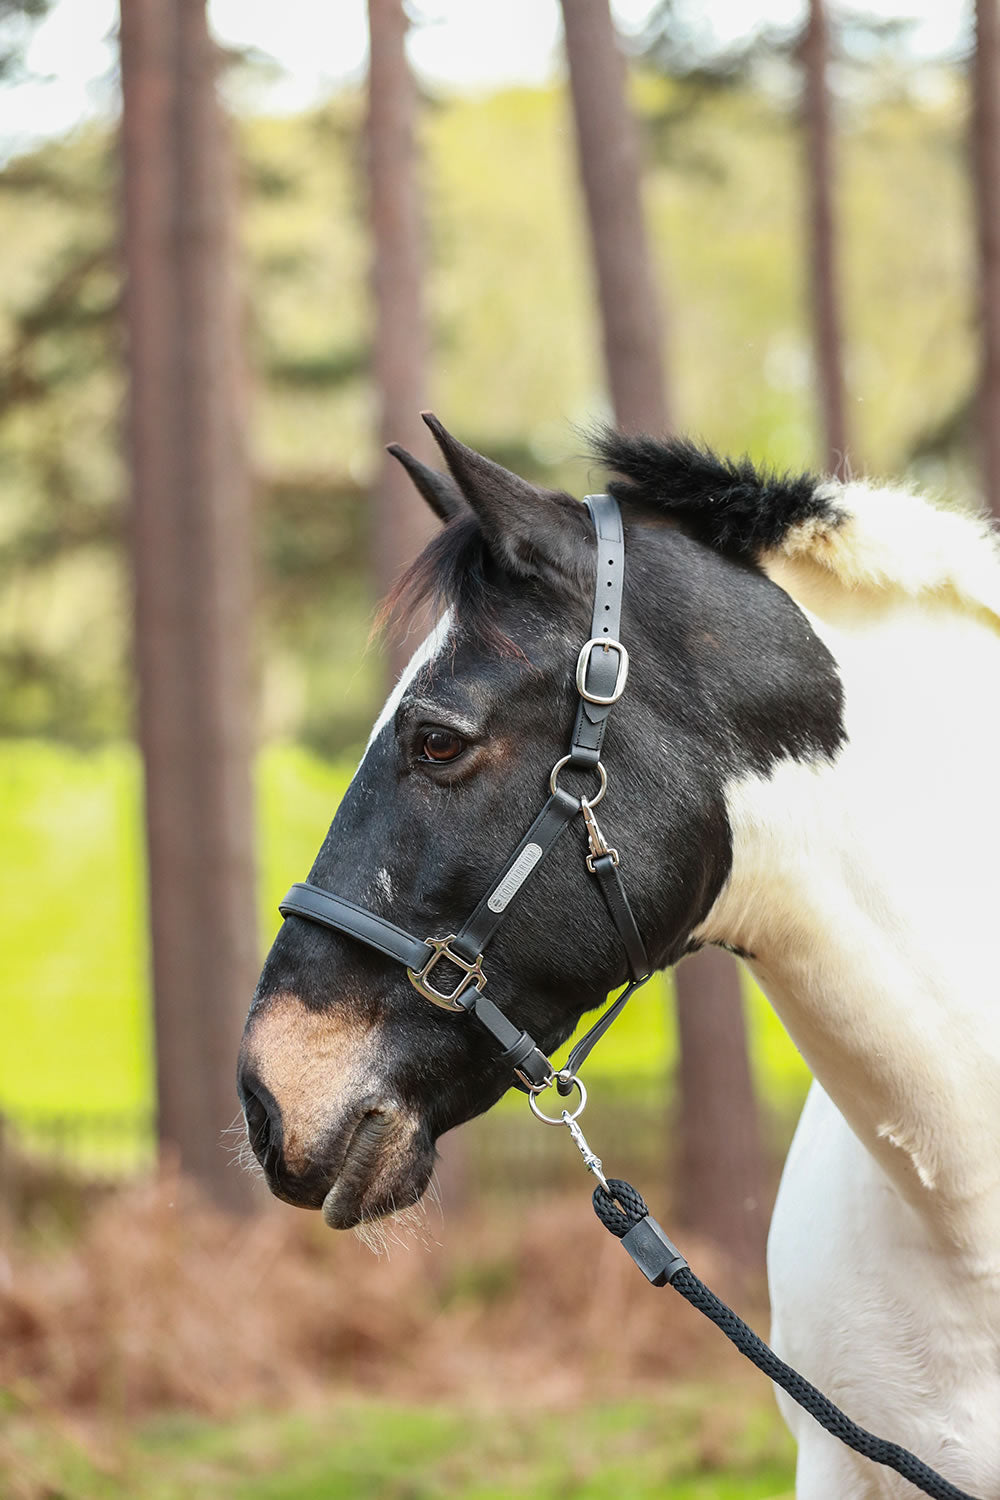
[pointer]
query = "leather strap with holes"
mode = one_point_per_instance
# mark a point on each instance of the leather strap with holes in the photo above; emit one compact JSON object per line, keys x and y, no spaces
{"x":603,"y":667}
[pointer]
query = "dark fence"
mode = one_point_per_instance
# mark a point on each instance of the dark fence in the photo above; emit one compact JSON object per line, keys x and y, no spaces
{"x":100,"y":1147}
{"x":505,"y":1151}
{"x":626,"y":1123}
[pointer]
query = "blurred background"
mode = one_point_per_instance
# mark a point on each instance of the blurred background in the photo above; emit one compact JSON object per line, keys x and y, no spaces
{"x":242,"y":246}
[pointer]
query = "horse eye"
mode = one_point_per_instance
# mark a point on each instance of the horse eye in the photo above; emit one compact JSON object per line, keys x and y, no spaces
{"x":441,"y":744}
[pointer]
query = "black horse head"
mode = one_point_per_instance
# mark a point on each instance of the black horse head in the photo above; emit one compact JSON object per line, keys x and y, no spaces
{"x":347,"y":1074}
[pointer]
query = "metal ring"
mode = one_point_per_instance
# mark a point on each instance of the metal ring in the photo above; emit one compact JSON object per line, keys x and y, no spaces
{"x":599,"y":768}
{"x":562,"y":1120}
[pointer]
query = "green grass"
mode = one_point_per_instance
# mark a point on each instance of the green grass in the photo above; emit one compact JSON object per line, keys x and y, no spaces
{"x":75,"y":1034}
{"x":692,"y":1444}
{"x":74,"y":1013}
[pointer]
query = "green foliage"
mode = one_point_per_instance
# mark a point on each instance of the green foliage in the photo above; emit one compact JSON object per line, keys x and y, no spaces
{"x":63,"y":615}
{"x":691,"y":1442}
{"x":516,"y":350}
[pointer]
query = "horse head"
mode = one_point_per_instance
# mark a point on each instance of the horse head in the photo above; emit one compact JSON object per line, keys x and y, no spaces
{"x":347,"y":1074}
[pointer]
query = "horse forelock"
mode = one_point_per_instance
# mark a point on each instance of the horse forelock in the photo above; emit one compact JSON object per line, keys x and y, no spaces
{"x":454,"y":575}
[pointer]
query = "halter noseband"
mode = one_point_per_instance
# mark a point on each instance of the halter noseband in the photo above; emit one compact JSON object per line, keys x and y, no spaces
{"x":601,"y":674}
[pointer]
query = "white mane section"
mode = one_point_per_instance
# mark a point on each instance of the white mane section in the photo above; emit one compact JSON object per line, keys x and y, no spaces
{"x":886,"y":540}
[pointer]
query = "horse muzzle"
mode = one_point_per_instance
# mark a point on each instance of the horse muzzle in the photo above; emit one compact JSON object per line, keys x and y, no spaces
{"x":356,"y":1159}
{"x":385,"y":1165}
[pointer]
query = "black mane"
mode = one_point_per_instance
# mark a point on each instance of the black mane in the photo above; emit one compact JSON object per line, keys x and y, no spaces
{"x":729,"y":504}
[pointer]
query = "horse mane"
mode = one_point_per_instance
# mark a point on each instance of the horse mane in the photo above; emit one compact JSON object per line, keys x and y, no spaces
{"x":817,"y":537}
{"x":826,"y":542}
{"x":732,"y":505}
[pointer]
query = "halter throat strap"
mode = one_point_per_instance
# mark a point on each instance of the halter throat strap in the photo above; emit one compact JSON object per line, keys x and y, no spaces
{"x":432,"y":964}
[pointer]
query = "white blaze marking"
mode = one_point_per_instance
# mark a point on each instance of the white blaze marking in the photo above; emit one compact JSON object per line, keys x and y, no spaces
{"x":424,"y":653}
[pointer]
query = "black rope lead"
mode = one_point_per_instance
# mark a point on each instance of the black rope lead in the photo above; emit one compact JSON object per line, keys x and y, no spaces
{"x":622,"y":1211}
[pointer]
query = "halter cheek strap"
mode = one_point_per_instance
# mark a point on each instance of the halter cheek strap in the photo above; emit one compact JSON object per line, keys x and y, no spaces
{"x":601,"y":674}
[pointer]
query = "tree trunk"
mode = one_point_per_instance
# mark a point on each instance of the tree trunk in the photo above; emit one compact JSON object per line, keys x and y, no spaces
{"x":401,"y":523}
{"x":608,"y":154}
{"x":827,"y":338}
{"x":720,"y":1175}
{"x":191,"y":527}
{"x":720,"y":1160}
{"x":986,"y":179}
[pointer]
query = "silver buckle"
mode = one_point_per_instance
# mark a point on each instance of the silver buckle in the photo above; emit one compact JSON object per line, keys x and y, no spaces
{"x":471,"y":974}
{"x":583,"y":663}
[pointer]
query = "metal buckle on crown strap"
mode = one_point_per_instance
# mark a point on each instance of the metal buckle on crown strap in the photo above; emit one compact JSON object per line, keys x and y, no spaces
{"x":471,"y":974}
{"x":583,"y":665}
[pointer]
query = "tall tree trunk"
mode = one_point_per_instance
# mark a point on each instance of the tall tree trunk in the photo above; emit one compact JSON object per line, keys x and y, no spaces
{"x":191,"y":531}
{"x":401,"y":523}
{"x":608,"y":155}
{"x":720,"y":1162}
{"x":986,"y":179}
{"x":720,"y":1173}
{"x":825,"y":290}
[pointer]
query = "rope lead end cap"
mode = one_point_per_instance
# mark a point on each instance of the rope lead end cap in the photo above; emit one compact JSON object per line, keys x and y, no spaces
{"x":657,"y":1257}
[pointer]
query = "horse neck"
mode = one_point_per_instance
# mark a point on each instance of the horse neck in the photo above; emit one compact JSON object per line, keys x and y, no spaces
{"x":868,"y":893}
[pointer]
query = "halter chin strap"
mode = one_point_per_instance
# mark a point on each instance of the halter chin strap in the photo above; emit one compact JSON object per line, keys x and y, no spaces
{"x":601,"y":674}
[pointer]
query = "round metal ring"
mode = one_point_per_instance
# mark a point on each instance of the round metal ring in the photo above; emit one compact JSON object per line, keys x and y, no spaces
{"x":599,"y":768}
{"x":550,"y":1119}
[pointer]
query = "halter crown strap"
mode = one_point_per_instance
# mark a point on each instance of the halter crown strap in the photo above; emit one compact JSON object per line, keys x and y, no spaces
{"x":602,"y":667}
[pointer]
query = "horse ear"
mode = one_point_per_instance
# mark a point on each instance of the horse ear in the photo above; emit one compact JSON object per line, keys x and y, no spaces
{"x":524,"y":526}
{"x":441,"y":493}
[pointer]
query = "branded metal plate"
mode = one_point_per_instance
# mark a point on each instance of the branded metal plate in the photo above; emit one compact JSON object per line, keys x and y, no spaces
{"x":515,"y":877}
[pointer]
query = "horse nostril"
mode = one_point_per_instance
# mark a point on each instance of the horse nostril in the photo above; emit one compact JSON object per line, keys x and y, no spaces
{"x":263,"y":1117}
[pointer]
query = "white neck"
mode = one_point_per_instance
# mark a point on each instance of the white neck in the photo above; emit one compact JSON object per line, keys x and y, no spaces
{"x":869,"y":891}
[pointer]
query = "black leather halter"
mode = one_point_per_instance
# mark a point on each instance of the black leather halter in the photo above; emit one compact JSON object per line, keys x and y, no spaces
{"x":601,"y":675}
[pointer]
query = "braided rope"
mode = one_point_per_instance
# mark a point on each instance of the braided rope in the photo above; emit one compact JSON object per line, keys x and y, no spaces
{"x":621,"y":1207}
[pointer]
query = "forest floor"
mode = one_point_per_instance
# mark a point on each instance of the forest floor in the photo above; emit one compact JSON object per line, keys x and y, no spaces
{"x":691,"y":1442}
{"x":155,"y":1348}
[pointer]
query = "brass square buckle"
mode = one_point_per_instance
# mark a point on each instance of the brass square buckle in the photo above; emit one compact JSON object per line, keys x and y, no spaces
{"x":583,"y":664}
{"x":471,"y":974}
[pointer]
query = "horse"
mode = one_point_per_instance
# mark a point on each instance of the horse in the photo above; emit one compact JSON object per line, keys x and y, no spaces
{"x":799,"y":771}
